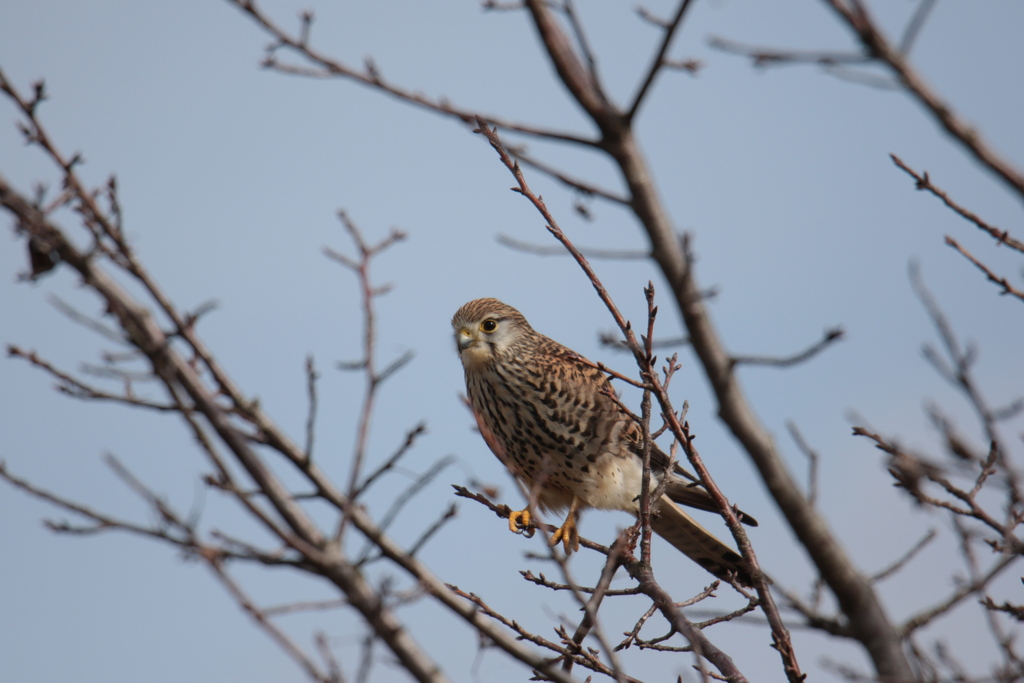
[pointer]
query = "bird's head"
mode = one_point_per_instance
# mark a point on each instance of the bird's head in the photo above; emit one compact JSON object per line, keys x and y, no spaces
{"x":485,"y":328}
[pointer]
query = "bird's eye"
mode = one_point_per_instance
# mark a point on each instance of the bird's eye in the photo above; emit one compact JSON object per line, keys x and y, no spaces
{"x":489,"y":325}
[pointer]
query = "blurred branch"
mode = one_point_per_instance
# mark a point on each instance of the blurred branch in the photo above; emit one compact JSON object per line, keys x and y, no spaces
{"x":670,"y":27}
{"x":86,"y":321}
{"x":834,"y":625}
{"x":403,"y":499}
{"x":767,"y":56}
{"x":554,"y":250}
{"x":912,"y":472}
{"x":831,"y":335}
{"x":914,"y":26}
{"x":876,"y":46}
{"x":389,"y":464}
{"x":71,"y":386}
{"x":907,"y":557}
{"x":263,"y":621}
{"x":958,"y":370}
{"x":294,"y":607}
{"x":992,"y":277}
{"x":583,"y":44}
{"x":311,"y":378}
{"x":610,"y":339}
{"x":926,"y":616}
{"x":812,"y":459}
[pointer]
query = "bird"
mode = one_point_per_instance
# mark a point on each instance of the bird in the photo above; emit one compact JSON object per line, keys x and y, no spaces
{"x":549,"y":416}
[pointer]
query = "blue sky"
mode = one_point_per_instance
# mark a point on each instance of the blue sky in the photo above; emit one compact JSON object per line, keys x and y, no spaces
{"x":230,"y":177}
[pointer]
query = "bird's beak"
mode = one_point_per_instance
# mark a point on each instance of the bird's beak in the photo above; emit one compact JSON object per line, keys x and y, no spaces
{"x":464,"y":338}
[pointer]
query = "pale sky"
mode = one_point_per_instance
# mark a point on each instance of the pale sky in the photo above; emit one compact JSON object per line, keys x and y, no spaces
{"x":230,"y":177}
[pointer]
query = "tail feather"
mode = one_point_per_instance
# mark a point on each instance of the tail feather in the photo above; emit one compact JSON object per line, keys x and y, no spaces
{"x":681,"y":530}
{"x":692,"y":495}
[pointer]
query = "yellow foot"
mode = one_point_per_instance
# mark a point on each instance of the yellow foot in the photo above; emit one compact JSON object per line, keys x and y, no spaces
{"x":567,"y":534}
{"x":519,"y":522}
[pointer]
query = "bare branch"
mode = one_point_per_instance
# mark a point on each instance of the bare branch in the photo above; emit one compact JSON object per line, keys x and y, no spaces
{"x":401,"y":501}
{"x":447,"y":515}
{"x":927,"y":616}
{"x":613,"y":341}
{"x":876,"y":47}
{"x":293,"y":607}
{"x":923,"y":182}
{"x":583,"y":187}
{"x":766,"y":56}
{"x":181,"y":376}
{"x":323,"y":66}
{"x":907,"y":557}
{"x":584,"y":44}
{"x":75,"y":388}
{"x":276,"y":634}
{"x":959,"y":375}
{"x":554,"y":585}
{"x":85,"y":321}
{"x":658,"y":62}
{"x":389,"y":464}
{"x":368,"y":364}
{"x":582,"y":659}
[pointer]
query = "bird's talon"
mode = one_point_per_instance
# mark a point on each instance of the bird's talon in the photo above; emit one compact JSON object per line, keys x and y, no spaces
{"x":519,"y":523}
{"x":568,"y":535}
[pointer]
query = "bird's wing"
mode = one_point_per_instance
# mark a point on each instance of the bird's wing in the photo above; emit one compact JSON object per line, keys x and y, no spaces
{"x":485,"y":431}
{"x":696,"y":496}
{"x":683,"y":487}
{"x":688,"y":537}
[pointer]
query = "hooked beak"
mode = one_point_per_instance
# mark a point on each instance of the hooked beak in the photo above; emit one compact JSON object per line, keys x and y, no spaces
{"x":464,"y":338}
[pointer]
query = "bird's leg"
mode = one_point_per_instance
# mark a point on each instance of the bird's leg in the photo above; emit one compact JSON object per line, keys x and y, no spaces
{"x":519,"y":522}
{"x":567,"y":533}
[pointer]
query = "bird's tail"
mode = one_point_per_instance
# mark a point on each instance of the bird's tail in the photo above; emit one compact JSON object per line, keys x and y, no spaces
{"x":673,"y":524}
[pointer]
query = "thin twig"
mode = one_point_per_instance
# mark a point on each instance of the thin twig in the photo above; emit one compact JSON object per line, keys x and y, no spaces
{"x":992,"y":277}
{"x":389,"y":464}
{"x":907,"y":557}
{"x":311,"y":378}
{"x":326,"y":67}
{"x":812,"y":459}
{"x":555,"y":250}
{"x":583,"y":187}
{"x":75,"y":388}
{"x":767,"y":56}
{"x":923,"y":182}
{"x":831,"y":335}
{"x":914,"y":26}
{"x":659,"y":59}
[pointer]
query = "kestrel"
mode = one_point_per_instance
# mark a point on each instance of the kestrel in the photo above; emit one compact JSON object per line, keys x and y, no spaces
{"x":548,"y":415}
